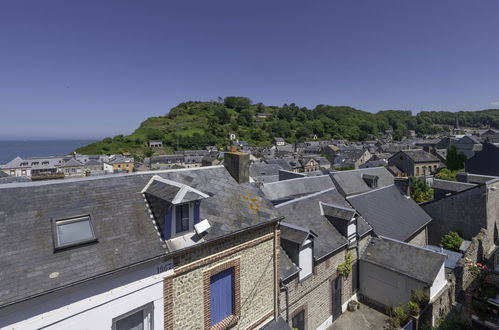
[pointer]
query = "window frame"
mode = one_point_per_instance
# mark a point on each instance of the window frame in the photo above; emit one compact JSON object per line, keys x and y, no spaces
{"x":58,"y":247}
{"x":174,"y":220}
{"x":236,"y":295}
{"x":148,"y":315}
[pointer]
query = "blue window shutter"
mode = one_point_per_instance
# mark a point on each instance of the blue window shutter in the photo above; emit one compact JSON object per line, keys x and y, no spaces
{"x":196,"y":211}
{"x":167,"y":230}
{"x":221,"y":295}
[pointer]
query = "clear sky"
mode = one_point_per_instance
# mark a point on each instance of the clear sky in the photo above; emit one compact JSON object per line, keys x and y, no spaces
{"x":89,"y":69}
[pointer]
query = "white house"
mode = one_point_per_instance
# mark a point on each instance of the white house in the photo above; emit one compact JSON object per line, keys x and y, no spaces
{"x":391,"y":270}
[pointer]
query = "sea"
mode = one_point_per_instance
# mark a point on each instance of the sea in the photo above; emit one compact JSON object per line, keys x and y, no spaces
{"x":10,"y":149}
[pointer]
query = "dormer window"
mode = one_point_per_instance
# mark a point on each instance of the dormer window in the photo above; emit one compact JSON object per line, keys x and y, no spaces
{"x":182,"y":206}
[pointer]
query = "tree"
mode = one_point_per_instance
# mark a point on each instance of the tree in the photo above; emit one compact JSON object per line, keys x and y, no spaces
{"x":148,"y":152}
{"x":455,"y":160}
{"x":446,"y":174}
{"x":420,"y":191}
{"x":237,"y":102}
{"x":452,"y":241}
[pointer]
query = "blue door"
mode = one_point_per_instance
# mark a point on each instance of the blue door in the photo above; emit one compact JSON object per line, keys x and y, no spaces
{"x":221,"y":295}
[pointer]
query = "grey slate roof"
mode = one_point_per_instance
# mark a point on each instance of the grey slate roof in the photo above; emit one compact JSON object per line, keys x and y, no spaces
{"x":410,"y":260}
{"x":390,"y":213}
{"x":287,"y":267}
{"x":279,"y":324}
{"x":292,"y":188}
{"x":3,"y":174}
{"x":450,"y":185}
{"x":263,"y":169}
{"x":72,"y":163}
{"x":306,"y":212}
{"x":451,"y":257}
{"x":124,"y":230}
{"x":295,"y":234}
{"x":419,"y":156}
{"x":351,"y":182}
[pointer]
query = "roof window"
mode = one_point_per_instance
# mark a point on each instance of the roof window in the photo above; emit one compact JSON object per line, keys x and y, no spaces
{"x":72,"y":232}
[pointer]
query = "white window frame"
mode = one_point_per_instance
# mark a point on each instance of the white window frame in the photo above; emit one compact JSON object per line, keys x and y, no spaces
{"x":191,"y":220}
{"x":148,"y":316}
{"x":306,"y":266}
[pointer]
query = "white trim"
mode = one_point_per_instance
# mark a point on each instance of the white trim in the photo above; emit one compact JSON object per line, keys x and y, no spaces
{"x":305,"y":197}
{"x":326,"y":323}
{"x":344,"y":307}
{"x":148,"y":321}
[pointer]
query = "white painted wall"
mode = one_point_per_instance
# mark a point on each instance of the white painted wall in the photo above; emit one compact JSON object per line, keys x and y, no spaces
{"x":95,"y":304}
{"x":305,"y":259}
{"x":439,"y":283}
{"x":385,"y":286}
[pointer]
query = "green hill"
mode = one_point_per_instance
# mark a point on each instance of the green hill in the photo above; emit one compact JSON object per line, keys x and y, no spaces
{"x":194,"y":125}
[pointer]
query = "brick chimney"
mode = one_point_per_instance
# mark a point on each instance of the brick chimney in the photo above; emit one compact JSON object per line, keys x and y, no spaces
{"x":403,"y":184}
{"x":237,"y":163}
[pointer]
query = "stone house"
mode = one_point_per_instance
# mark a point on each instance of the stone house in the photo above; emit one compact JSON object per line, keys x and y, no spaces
{"x":318,"y":232}
{"x":73,"y":168}
{"x":391,"y":270}
{"x":123,"y":164}
{"x":155,"y":144}
{"x":415,"y":162}
{"x":181,"y":249}
{"x":466,"y":211}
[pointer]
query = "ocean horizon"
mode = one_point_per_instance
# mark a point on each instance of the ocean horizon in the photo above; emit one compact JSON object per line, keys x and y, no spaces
{"x":10,"y":149}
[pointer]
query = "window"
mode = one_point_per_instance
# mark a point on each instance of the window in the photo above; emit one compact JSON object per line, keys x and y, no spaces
{"x":221,"y":287}
{"x":221,"y":295}
{"x":417,"y":170}
{"x":298,"y":320}
{"x":138,"y":319}
{"x":75,"y":231}
{"x":182,"y":218}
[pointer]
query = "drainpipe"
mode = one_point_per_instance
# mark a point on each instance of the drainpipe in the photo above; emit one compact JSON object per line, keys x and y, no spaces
{"x":286,"y":290}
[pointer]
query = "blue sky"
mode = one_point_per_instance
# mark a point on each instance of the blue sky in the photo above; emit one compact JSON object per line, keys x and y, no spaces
{"x":89,"y":69}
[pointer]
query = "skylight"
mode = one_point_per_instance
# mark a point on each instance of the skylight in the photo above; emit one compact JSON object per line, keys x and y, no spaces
{"x":75,"y":231}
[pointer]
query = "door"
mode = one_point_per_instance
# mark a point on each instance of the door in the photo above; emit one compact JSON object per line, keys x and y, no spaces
{"x":298,"y":321}
{"x":336,"y":296}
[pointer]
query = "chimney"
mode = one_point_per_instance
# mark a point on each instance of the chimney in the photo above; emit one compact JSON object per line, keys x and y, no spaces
{"x":403,"y":184}
{"x":237,"y":163}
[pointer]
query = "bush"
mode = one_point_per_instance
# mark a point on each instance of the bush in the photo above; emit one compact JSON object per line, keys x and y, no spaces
{"x":420,"y":297}
{"x":456,"y":321}
{"x":452,"y":241}
{"x":346,"y":267}
{"x":420,"y":191}
{"x":399,"y":317}
{"x":107,"y":140}
{"x":413,"y":308}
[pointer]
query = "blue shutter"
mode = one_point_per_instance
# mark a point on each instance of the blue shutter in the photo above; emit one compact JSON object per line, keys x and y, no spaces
{"x":221,"y":295}
{"x":196,"y":211}
{"x":167,"y":229}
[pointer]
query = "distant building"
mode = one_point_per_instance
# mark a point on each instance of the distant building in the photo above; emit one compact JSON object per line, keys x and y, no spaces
{"x":123,"y":164}
{"x":415,"y":162}
{"x":278,"y":141}
{"x":155,"y":144}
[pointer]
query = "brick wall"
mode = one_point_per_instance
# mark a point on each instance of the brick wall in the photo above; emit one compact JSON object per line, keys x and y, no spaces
{"x":314,"y":292}
{"x":253,"y":253}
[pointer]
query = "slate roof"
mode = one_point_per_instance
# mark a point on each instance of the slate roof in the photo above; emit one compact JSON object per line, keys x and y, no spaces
{"x":122,"y":224}
{"x":284,"y":164}
{"x":259,"y":169}
{"x":351,"y":182}
{"x":419,"y":156}
{"x":72,"y":163}
{"x":451,"y":257}
{"x":306,"y":212}
{"x":287,"y":267}
{"x":3,"y":174}
{"x":292,"y":188}
{"x":279,"y":324}
{"x":450,"y":185}
{"x":410,"y":260}
{"x":295,"y":234}
{"x":390,"y":213}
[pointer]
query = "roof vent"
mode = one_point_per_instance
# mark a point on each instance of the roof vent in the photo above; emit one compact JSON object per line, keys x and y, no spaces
{"x":202,"y":226}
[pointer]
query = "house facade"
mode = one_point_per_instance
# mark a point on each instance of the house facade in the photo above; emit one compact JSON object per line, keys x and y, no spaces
{"x":180,"y":249}
{"x":415,"y":162}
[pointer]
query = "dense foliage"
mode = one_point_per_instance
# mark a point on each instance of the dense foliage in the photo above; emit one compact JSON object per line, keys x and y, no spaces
{"x":452,"y":241}
{"x":420,"y":191}
{"x":194,"y":125}
{"x":454,"y":160}
{"x":446,"y":174}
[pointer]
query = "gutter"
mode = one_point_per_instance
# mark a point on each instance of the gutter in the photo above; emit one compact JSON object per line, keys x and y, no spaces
{"x":157,"y":257}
